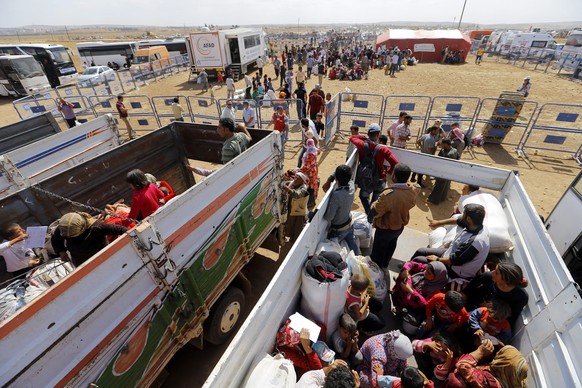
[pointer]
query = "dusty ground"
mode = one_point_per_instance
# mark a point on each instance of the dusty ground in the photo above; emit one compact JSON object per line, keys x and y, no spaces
{"x":545,"y":175}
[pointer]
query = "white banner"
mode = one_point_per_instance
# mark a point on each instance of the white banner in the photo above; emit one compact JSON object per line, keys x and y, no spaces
{"x":424,"y":48}
{"x":206,"y":50}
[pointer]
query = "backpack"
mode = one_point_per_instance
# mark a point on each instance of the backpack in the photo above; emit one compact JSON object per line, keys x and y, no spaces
{"x":367,"y":175}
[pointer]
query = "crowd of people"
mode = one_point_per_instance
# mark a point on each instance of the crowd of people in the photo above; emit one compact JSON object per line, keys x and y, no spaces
{"x":461,"y":302}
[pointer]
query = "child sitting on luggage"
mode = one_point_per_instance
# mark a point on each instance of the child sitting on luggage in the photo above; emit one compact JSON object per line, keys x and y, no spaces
{"x":445,"y":311}
{"x":361,"y":307}
{"x":492,"y":320}
{"x":298,"y":194}
{"x":345,"y":341}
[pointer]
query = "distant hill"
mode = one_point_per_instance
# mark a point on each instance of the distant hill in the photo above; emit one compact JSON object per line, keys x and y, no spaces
{"x":48,"y":29}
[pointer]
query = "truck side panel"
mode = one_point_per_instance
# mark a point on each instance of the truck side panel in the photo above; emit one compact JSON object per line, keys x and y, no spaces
{"x":552,"y":320}
{"x":27,"y":131}
{"x":42,"y":159}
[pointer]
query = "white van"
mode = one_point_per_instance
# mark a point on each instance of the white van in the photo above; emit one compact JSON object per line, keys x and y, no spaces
{"x":530,"y":44}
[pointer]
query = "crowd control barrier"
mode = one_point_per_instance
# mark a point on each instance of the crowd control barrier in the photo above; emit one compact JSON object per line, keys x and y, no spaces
{"x":238,"y":105}
{"x":332,"y":113}
{"x":35,"y":105}
{"x":503,"y":120}
{"x":203,"y":110}
{"x":557,"y":128}
{"x":453,"y":109}
{"x":163,"y":108}
{"x":415,"y":106}
{"x":360,"y":109}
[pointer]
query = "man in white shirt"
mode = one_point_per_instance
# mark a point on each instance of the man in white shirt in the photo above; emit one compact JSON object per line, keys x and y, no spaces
{"x":394,"y":63}
{"x":229,"y":111}
{"x":229,"y":86}
{"x":18,"y":258}
{"x":249,"y":116}
{"x":260,"y":64}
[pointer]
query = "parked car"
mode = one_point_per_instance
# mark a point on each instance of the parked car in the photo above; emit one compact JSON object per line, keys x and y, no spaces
{"x":97,"y":74}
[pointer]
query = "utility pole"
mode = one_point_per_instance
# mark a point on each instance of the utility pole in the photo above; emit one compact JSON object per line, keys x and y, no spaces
{"x":67,"y":31}
{"x":462,"y":12}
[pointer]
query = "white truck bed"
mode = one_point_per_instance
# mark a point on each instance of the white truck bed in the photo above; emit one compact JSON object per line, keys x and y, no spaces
{"x":551,"y":323}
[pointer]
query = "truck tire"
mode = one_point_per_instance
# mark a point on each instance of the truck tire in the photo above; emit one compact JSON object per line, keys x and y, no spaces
{"x":225,"y":316}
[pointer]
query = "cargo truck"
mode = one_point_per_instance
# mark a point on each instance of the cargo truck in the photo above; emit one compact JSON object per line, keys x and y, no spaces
{"x":548,"y":330}
{"x":229,"y":51}
{"x":117,"y":319}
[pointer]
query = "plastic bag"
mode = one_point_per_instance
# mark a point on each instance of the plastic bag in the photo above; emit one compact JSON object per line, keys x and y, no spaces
{"x":272,"y":372}
{"x":324,"y":302}
{"x":15,"y":296}
{"x":378,"y":289}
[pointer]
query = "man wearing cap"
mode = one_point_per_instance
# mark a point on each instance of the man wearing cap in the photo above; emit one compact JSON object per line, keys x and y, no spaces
{"x":402,"y":133}
{"x":394,"y":125}
{"x":382,"y":155}
{"x":249,"y":116}
{"x":526,"y":86}
{"x":316,"y":103}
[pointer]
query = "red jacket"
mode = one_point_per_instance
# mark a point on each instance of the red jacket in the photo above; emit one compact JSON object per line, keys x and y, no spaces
{"x":145,"y":201}
{"x":382,"y":155}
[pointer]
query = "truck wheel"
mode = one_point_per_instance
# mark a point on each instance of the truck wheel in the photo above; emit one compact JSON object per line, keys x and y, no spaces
{"x":225,"y":316}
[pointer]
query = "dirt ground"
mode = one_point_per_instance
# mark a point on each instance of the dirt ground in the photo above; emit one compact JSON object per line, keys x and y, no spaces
{"x":544,"y":175}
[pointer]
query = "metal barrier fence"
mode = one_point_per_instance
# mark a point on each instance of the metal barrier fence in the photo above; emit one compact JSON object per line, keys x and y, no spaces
{"x":164,"y":111}
{"x":416,"y":106}
{"x":140,"y":109}
{"x":503,"y":120}
{"x":364,"y":109}
{"x":453,"y":109}
{"x":332,"y":112}
{"x":557,"y":128}
{"x":203,"y":110}
{"x":35,"y":105}
{"x":238,"y":105}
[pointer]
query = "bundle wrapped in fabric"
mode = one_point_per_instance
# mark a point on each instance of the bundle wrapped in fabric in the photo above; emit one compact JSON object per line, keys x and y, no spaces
{"x":324,"y":282}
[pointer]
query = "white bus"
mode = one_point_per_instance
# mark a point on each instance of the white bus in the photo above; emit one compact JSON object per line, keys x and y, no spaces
{"x":571,"y":56}
{"x":101,"y":53}
{"x":54,"y":58}
{"x":21,"y":75}
{"x":175,"y":46}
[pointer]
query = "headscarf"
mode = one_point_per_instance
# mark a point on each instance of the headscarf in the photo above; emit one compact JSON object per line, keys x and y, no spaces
{"x":468,"y":374}
{"x":397,"y":344}
{"x":510,"y":367}
{"x":74,"y":224}
{"x":428,"y":287}
{"x":151,"y":178}
{"x":303,"y":177}
{"x":310,"y":150}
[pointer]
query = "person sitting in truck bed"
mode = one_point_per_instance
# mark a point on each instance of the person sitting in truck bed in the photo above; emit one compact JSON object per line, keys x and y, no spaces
{"x":237,"y":141}
{"x":146,"y":196}
{"x":82,"y":236}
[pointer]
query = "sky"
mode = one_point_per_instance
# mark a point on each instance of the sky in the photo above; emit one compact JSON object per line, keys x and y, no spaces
{"x":247,"y":12}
